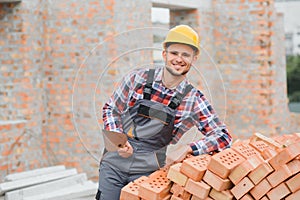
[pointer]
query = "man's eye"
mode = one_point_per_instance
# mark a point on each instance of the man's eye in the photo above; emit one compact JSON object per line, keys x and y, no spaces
{"x":186,"y":55}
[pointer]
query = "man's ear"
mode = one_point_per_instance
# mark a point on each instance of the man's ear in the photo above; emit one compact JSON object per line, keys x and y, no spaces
{"x":164,"y":54}
{"x":195,"y":58}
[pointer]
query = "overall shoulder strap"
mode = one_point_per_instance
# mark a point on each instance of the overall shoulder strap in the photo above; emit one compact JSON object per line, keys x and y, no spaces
{"x":176,"y":100}
{"x":148,"y":86}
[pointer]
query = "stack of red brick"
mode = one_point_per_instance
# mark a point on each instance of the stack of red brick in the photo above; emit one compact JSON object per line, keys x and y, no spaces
{"x":258,"y":168}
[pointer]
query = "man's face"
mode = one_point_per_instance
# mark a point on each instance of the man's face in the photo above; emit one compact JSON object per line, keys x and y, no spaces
{"x":179,"y":59}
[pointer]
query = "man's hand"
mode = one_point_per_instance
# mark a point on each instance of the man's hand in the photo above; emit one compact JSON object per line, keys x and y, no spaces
{"x":126,"y":151}
{"x":178,"y":154}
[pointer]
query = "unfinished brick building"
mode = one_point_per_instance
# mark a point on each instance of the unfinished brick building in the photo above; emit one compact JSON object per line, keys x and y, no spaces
{"x":60,"y":60}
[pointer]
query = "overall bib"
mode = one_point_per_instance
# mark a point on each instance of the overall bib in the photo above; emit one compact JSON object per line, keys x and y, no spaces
{"x":149,"y":126}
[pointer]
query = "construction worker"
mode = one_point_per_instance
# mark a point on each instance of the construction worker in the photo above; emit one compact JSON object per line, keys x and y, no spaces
{"x":154,"y":108}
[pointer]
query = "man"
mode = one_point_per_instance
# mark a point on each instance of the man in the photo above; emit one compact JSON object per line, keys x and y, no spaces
{"x":154,"y":108}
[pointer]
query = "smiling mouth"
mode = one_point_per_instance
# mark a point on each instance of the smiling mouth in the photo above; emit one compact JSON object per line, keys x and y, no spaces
{"x":178,"y":66}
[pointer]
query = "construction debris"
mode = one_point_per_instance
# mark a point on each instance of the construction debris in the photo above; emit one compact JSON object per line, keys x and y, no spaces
{"x":258,"y":168}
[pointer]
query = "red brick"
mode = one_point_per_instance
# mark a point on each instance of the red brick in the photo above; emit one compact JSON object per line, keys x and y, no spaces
{"x":197,"y":198}
{"x":279,"y":192}
{"x":177,"y":190}
{"x":245,"y":150}
{"x":260,"y":146}
{"x":195,"y":167}
{"x":216,"y":182}
{"x":247,"y":197}
{"x":199,"y":189}
{"x":286,"y":155}
{"x":268,"y":153}
{"x":257,"y":12}
{"x":4,"y":167}
{"x":186,"y":195}
{"x":180,"y":191}
{"x":224,"y":162}
{"x":294,"y":196}
{"x":130,"y":192}
{"x":175,"y":198}
{"x":156,"y":187}
{"x":259,"y":173}
{"x":140,"y":180}
{"x":264,"y":198}
{"x":167,"y":197}
{"x":224,"y":195}
{"x":242,"y":170}
{"x":269,"y":141}
{"x":294,"y":166}
{"x":261,"y":189}
{"x":278,"y":176}
{"x":286,"y":140}
{"x":161,"y":172}
{"x":294,"y":183}
{"x":176,"y":176}
{"x":243,"y":187}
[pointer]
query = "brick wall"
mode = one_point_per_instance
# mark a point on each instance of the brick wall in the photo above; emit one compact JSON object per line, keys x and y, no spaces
{"x":60,"y":60}
{"x":22,"y":109}
{"x":84,"y":52}
{"x":242,"y":64}
{"x":53,"y":54}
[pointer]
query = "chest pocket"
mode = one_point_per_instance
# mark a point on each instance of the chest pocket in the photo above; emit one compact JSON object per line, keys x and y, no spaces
{"x":150,"y":122}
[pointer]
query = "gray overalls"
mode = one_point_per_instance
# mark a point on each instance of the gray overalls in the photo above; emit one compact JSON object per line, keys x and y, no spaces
{"x":149,"y":126}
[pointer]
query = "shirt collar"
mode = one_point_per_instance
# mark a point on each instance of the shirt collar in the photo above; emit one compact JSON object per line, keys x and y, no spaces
{"x":158,"y":78}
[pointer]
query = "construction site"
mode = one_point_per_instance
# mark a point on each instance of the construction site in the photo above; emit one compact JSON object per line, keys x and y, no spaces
{"x":61,"y":60}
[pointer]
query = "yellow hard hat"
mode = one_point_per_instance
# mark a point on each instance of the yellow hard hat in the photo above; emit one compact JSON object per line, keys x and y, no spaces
{"x":183,"y":34}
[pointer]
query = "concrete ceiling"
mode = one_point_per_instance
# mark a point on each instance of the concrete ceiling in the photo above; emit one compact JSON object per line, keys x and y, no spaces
{"x":176,"y":5}
{"x":9,"y":1}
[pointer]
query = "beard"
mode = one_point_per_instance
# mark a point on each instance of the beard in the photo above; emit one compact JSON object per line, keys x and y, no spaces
{"x":175,"y":73}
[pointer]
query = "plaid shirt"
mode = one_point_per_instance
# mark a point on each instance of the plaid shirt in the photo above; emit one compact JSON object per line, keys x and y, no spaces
{"x":193,"y":110}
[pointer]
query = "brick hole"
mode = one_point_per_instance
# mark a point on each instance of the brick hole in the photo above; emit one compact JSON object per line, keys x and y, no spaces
{"x":201,"y":162}
{"x":155,"y":186}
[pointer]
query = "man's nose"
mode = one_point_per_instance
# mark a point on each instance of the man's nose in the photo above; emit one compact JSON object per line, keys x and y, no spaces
{"x":179,"y":58}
